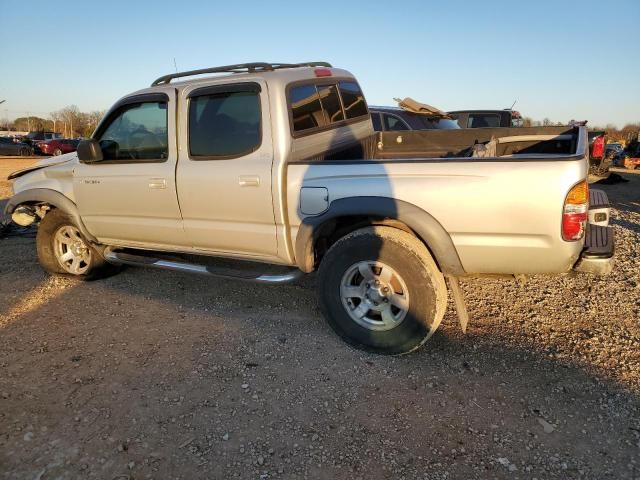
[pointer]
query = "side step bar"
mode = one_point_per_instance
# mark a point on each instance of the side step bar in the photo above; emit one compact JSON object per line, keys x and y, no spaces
{"x":123,"y":258}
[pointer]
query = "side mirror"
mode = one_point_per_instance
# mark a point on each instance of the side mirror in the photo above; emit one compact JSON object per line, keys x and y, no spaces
{"x":89,"y":151}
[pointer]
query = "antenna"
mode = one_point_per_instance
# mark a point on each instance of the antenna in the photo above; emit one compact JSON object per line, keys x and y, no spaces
{"x":513,"y":104}
{"x":175,"y":65}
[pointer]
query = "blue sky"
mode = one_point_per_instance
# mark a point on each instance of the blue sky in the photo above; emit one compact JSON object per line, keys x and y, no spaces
{"x":559,"y":59}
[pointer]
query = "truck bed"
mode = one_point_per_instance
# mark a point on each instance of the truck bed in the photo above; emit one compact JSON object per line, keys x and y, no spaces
{"x":548,"y":142}
{"x":503,"y":212}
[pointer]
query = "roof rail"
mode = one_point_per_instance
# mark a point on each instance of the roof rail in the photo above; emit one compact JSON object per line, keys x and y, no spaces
{"x":239,"y":68}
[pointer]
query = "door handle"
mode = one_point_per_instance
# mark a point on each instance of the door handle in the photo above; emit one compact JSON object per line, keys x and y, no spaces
{"x":249,"y":181}
{"x":157,"y":183}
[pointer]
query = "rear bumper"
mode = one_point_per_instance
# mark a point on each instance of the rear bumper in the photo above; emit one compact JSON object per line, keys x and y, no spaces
{"x":599,"y":208}
{"x":597,"y":257}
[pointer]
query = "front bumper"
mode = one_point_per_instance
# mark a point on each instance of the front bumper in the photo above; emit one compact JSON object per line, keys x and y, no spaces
{"x":597,"y":257}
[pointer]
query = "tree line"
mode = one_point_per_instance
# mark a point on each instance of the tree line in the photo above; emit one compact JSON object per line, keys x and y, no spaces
{"x":72,"y":123}
{"x":69,"y":121}
{"x":628,"y":133}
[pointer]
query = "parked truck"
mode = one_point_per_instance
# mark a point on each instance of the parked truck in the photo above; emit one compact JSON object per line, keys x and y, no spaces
{"x":277,"y":166}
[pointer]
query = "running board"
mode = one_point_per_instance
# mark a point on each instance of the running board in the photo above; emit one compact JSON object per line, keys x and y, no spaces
{"x":123,"y":258}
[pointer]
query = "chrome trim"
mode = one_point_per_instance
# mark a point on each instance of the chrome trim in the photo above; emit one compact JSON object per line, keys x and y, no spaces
{"x":279,"y":279}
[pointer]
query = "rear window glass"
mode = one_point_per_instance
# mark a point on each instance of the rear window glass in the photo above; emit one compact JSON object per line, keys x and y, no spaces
{"x":353,"y":99}
{"x":306,"y":108}
{"x":318,"y":105}
{"x":224,"y":124}
{"x":331,"y":102}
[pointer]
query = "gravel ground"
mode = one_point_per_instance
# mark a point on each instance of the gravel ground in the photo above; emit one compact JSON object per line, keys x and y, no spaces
{"x":160,"y":375}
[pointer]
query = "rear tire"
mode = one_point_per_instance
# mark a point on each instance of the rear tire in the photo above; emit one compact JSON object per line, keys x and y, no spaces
{"x":381,"y":291}
{"x":24,"y":152}
{"x":63,"y":250}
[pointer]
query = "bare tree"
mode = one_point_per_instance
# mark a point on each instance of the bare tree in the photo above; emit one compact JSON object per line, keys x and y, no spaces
{"x":93,"y":118}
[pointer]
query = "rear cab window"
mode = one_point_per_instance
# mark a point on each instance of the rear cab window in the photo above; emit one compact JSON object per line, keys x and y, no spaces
{"x":317,"y":105}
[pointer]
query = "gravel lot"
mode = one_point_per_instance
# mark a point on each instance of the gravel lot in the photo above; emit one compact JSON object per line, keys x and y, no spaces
{"x":160,"y":375}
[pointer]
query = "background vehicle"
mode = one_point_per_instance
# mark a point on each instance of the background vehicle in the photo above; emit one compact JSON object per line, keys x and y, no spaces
{"x":279,"y":164}
{"x":631,"y":158}
{"x":58,"y":146}
{"x":9,"y":147}
{"x":35,"y":138}
{"x":487,"y":118}
{"x":600,"y":159}
{"x":41,"y":136}
{"x":396,"y":118}
{"x":616,"y":147}
{"x":615,"y":151}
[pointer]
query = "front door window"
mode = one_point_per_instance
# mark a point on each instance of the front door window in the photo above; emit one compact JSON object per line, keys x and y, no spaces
{"x":137,"y":133}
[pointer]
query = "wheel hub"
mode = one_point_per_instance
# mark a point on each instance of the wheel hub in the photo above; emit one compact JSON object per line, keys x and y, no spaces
{"x":374,"y":295}
{"x":71,"y":251}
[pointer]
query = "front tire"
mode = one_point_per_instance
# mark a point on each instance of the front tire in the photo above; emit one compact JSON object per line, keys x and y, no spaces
{"x":381,"y":291}
{"x":57,"y":152}
{"x":63,"y":250}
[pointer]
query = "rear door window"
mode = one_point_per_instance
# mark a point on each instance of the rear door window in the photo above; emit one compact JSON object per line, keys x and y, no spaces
{"x":224,"y":124}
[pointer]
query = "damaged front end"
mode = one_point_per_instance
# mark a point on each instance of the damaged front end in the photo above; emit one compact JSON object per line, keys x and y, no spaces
{"x":27,"y":215}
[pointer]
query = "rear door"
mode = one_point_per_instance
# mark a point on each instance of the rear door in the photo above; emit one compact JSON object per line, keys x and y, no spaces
{"x":224,"y":173}
{"x":130,"y":196}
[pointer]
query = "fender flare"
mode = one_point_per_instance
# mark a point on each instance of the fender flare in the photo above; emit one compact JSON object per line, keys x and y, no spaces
{"x":54,"y":198}
{"x":425,"y":226}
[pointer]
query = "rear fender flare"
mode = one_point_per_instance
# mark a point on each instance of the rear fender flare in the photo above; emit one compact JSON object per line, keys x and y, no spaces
{"x":425,"y":226}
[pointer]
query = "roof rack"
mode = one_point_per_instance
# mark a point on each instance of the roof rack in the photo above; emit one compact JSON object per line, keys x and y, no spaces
{"x":239,"y":68}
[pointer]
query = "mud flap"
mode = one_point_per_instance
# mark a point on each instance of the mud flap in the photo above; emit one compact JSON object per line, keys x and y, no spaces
{"x":458,"y":298}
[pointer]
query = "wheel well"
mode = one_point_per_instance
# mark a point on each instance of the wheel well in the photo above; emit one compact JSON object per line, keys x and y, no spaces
{"x":333,"y":230}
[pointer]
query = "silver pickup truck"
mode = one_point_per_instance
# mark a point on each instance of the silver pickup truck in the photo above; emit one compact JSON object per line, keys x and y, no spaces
{"x":277,"y":167}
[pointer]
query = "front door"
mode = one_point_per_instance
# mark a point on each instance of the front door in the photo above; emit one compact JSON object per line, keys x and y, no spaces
{"x":224,"y":177}
{"x":130,"y":196}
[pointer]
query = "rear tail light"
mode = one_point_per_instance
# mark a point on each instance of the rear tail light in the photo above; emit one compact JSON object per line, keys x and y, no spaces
{"x":598,"y":147}
{"x":575,"y":214}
